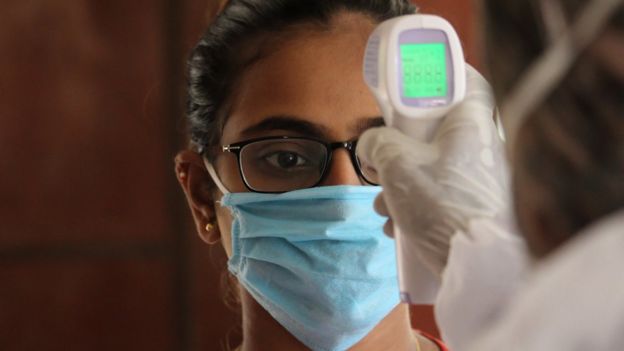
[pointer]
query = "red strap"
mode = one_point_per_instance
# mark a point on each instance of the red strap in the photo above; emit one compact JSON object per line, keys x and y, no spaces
{"x":435,"y":340}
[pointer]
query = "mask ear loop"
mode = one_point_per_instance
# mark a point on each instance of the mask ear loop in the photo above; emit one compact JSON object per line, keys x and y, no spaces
{"x":215,"y":178}
{"x":554,"y":19}
{"x":548,"y":70}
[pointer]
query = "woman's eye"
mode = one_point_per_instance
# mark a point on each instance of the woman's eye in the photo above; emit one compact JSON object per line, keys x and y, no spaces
{"x":286,"y":160}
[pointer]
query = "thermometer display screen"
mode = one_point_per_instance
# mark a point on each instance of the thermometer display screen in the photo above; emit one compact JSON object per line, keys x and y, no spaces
{"x":424,"y":70}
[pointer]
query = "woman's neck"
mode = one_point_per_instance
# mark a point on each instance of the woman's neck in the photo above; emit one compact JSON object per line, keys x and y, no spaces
{"x":261,"y":332}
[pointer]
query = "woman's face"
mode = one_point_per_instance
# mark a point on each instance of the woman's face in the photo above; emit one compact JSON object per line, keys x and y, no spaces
{"x":314,"y":82}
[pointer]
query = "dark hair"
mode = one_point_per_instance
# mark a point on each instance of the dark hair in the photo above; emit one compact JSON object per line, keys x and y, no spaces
{"x":572,"y":146}
{"x":236,"y":39}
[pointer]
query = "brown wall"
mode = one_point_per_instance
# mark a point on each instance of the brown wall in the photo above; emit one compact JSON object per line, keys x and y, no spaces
{"x":96,"y":247}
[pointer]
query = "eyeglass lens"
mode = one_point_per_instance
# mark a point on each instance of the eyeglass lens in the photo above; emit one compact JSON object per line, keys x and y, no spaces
{"x":280,"y":165}
{"x":368,"y":172}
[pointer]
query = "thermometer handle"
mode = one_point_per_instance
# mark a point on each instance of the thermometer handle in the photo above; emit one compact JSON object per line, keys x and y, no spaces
{"x":418,"y":129}
{"x":417,"y":284}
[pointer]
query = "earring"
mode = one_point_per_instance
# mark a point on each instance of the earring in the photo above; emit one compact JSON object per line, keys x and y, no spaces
{"x":209,"y":228}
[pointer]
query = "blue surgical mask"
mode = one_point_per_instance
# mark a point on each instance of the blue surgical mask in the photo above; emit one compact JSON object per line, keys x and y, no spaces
{"x":316,"y":260}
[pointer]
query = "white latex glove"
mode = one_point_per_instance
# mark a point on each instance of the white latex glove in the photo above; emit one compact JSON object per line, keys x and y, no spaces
{"x":432,"y":190}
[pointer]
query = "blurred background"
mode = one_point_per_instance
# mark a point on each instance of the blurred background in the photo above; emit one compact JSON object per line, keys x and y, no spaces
{"x":97,"y":249}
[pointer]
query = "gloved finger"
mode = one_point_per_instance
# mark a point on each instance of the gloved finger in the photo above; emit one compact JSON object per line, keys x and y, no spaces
{"x":388,"y":228}
{"x":380,"y":205}
{"x":470,"y":126}
{"x":479,"y":89}
{"x":379,"y":148}
{"x":479,"y":100}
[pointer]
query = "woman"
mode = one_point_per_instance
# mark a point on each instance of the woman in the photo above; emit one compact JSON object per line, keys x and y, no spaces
{"x":276,"y":105}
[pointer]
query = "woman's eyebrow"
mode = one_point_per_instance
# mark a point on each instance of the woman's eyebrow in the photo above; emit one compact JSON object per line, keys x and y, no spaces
{"x":288,"y":123}
{"x":363,"y":124}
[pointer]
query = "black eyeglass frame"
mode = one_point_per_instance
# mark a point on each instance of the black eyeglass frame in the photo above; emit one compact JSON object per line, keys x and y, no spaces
{"x":350,"y":146}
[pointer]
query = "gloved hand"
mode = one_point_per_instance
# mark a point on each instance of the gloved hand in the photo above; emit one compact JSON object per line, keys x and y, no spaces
{"x":433,"y":190}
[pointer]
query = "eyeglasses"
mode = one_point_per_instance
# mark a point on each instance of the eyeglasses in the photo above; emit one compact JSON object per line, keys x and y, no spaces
{"x":281,"y":164}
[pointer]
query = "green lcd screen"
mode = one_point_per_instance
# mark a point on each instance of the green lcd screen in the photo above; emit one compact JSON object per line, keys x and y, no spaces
{"x":424,"y":70}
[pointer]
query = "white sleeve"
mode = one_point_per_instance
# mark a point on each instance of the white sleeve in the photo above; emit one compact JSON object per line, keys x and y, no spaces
{"x":486,"y":265}
{"x":571,"y":301}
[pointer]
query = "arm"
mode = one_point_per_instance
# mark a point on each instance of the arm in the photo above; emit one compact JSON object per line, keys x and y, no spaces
{"x":450,"y":199}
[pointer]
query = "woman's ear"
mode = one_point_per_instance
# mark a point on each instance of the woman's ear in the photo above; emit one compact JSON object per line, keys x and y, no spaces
{"x":197,"y":186}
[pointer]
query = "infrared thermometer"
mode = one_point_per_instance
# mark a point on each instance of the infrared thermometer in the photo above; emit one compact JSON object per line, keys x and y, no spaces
{"x":414,"y":66}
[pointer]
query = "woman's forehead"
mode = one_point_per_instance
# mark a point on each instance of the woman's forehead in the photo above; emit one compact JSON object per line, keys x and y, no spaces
{"x":316,"y":78}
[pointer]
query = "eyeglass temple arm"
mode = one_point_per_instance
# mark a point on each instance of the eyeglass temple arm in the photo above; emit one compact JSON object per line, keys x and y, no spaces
{"x":215,"y":177}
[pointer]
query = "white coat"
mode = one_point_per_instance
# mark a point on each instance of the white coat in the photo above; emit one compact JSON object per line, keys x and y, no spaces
{"x":571,"y":301}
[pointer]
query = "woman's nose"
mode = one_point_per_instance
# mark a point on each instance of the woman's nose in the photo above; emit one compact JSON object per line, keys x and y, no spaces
{"x":341,"y":171}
